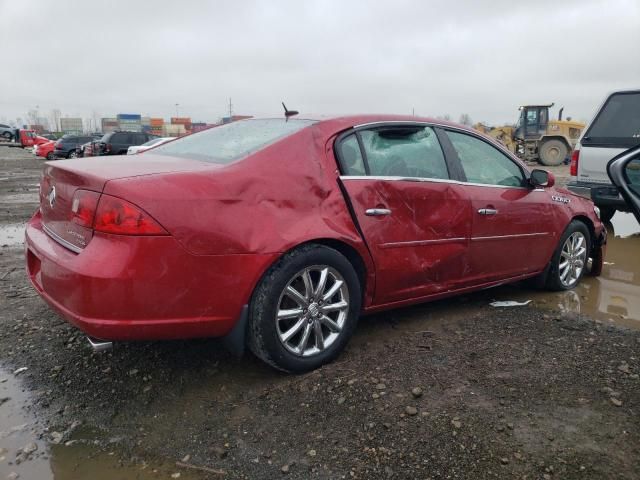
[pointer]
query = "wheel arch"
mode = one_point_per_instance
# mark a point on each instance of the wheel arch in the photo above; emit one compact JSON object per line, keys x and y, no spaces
{"x":590,"y":226}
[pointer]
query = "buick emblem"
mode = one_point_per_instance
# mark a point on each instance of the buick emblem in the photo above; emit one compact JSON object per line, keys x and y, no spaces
{"x":52,"y":196}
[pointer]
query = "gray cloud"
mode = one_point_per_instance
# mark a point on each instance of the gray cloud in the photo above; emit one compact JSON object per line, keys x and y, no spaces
{"x":437,"y":57}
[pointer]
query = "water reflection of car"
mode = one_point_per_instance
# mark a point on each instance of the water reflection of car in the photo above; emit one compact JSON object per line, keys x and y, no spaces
{"x":282,"y":233}
{"x":156,"y":142}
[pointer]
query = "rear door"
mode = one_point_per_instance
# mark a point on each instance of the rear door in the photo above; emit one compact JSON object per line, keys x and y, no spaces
{"x":624,"y":172}
{"x":415,"y":220}
{"x":615,"y":128}
{"x":511,"y":230}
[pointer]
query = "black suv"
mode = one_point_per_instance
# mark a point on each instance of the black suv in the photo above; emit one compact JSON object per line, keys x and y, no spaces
{"x":66,"y":146}
{"x":117,"y":143}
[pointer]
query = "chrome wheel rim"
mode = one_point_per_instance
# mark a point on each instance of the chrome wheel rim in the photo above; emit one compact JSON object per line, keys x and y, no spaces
{"x":312,"y":310}
{"x":573,"y":258}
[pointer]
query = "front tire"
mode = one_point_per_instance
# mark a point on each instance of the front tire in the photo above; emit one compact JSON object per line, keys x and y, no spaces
{"x":50,"y":156}
{"x":72,"y":154}
{"x":569,"y":261}
{"x":305,"y":309}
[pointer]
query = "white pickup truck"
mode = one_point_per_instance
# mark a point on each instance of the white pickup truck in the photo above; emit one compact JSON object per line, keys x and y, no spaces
{"x":614,"y":129}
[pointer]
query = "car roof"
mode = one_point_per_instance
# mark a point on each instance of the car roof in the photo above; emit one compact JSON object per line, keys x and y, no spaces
{"x":337,"y":123}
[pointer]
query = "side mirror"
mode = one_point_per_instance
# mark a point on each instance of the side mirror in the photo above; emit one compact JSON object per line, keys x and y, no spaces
{"x":542,"y":178}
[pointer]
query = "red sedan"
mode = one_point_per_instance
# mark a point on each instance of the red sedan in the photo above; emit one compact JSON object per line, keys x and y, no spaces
{"x":45,"y":150}
{"x":282,"y":233}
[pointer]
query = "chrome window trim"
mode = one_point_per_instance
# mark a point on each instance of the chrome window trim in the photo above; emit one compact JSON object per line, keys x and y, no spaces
{"x":430,"y":180}
{"x":446,"y":126}
{"x":61,"y":240}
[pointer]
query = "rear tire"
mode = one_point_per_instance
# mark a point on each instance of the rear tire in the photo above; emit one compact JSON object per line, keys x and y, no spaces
{"x":8,"y":136}
{"x":553,"y":152}
{"x":72,"y":154}
{"x":50,"y":156}
{"x":569,"y":261}
{"x":301,"y":332}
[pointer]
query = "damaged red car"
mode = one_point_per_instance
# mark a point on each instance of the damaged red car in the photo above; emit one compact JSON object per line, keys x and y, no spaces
{"x":278,"y":234}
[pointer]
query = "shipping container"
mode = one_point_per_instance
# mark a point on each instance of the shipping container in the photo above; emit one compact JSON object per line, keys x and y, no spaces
{"x":129,"y":116}
{"x":156,"y":122}
{"x":170,"y":130}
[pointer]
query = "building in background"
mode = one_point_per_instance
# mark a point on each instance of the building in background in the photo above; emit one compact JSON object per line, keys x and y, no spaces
{"x":71,"y":125}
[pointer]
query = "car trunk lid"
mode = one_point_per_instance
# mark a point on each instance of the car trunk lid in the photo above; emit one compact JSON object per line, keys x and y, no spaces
{"x":62,"y":180}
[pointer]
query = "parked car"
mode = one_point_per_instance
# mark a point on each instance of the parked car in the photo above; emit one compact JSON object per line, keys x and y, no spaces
{"x":66,"y":146}
{"x":7,"y":133}
{"x":117,"y":143}
{"x":45,"y":150}
{"x":282,"y":233}
{"x":624,"y":173}
{"x":156,"y":142}
{"x":614,"y":129}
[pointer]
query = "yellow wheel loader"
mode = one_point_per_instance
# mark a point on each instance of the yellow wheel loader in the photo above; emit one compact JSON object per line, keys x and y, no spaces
{"x":535,"y":137}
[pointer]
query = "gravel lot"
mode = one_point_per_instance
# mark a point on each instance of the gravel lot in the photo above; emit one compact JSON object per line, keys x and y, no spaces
{"x":453,"y":389}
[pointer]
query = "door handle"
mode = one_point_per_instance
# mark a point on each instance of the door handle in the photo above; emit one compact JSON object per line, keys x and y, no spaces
{"x":377,"y":212}
{"x":487,"y":211}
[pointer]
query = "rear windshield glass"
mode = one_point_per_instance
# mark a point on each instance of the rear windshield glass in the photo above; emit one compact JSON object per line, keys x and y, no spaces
{"x":227,"y":143}
{"x":618,"y":122}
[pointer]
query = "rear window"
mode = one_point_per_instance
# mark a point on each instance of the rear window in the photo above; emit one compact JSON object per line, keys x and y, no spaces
{"x":227,"y":143}
{"x":618,"y":122}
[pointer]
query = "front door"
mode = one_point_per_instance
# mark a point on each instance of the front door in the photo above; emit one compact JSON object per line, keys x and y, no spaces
{"x":415,"y":220}
{"x":511,"y":232}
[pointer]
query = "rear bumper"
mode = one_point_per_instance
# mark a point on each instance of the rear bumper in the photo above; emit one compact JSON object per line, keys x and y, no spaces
{"x":141,"y":288}
{"x":601,"y":195}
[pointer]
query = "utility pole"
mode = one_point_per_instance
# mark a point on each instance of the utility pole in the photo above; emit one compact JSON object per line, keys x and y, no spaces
{"x":230,"y":108}
{"x":177,"y":114}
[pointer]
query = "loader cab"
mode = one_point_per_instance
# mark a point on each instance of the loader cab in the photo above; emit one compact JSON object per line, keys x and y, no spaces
{"x":533,"y":121}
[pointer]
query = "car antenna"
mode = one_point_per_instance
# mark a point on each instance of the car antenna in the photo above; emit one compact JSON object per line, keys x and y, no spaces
{"x":288,"y":113}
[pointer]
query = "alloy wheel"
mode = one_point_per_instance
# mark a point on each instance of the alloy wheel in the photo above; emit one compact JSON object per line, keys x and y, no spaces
{"x":573,"y":258}
{"x":312,"y":310}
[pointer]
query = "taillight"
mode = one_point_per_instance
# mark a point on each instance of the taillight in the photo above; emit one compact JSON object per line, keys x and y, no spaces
{"x":573,"y":168}
{"x":118,"y":216}
{"x":83,"y":207}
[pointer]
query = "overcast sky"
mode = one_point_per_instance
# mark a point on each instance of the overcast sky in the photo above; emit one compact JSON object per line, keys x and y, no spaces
{"x":482,"y":58}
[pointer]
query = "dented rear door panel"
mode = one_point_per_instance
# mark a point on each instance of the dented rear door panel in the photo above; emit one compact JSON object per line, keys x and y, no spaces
{"x":421,"y":246}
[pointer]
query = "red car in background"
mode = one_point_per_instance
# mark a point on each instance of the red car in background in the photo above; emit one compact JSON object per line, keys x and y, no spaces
{"x":45,"y":150}
{"x":282,"y":233}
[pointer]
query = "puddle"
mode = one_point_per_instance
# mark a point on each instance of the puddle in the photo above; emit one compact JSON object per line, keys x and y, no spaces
{"x":612,"y":297}
{"x":78,"y":460}
{"x":11,"y":234}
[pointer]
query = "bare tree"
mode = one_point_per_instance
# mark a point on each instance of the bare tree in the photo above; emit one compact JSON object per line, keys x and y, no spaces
{"x":55,"y":119}
{"x":465,"y":119}
{"x":445,"y":117}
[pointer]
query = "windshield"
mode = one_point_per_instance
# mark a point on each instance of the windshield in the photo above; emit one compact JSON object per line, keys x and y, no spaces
{"x":227,"y":143}
{"x":618,"y":122}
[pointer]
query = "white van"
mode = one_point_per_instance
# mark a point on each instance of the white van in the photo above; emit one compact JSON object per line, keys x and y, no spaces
{"x":614,"y":129}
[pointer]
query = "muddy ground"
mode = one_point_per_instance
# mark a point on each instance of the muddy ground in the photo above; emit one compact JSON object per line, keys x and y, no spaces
{"x":452,"y":389}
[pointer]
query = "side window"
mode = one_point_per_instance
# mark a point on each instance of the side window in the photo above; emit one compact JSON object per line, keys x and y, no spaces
{"x":532,"y":117}
{"x":404,"y":151}
{"x":350,"y":157}
{"x":633,"y":175}
{"x":483,"y":163}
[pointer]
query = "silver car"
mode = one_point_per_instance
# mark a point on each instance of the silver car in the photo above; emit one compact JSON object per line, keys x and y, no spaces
{"x":614,"y":129}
